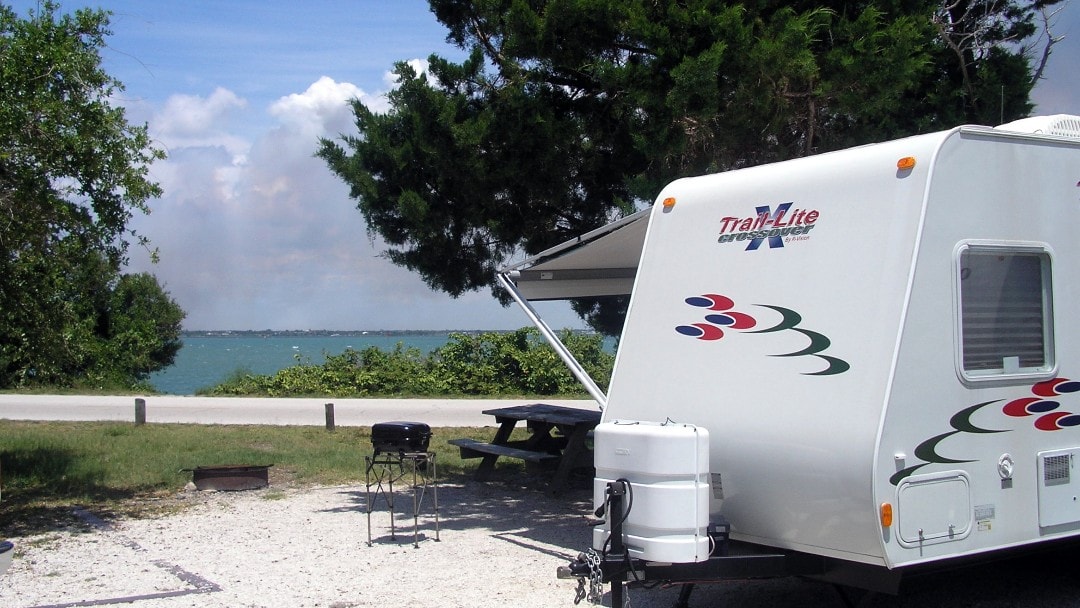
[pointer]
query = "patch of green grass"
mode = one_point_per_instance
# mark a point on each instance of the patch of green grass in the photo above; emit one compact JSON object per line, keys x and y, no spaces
{"x":46,"y":468}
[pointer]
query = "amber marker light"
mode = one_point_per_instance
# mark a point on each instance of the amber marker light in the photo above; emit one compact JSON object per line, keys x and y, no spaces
{"x":886,"y":515}
{"x":669,"y":202}
{"x":906,"y":164}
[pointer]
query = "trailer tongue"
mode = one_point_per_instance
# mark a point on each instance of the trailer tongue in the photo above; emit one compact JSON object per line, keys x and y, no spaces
{"x":846,"y":366}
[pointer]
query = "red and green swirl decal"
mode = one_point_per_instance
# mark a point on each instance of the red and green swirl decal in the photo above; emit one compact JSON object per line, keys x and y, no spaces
{"x":1042,"y":405}
{"x":720,"y":316}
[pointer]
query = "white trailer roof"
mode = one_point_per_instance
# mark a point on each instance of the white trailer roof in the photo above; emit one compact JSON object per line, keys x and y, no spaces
{"x":600,"y":263}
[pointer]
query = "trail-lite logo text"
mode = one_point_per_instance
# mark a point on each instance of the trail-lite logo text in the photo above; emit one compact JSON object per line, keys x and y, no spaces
{"x":777,"y":226}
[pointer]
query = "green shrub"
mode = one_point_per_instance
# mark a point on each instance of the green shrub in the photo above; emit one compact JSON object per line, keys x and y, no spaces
{"x":488,"y":364}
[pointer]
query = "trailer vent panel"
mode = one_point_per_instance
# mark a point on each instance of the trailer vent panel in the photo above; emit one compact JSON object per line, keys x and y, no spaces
{"x":1061,"y":125}
{"x":1056,"y":470}
{"x":1058,"y":495}
{"x":1068,"y":126}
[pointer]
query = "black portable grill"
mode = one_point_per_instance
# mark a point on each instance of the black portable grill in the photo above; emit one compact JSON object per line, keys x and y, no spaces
{"x":400,"y":437}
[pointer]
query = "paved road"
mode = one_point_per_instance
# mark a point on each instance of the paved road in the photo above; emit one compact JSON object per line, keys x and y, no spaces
{"x":286,"y":412}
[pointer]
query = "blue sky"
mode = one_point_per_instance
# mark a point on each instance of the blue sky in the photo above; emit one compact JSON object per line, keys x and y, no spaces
{"x":255,"y":233}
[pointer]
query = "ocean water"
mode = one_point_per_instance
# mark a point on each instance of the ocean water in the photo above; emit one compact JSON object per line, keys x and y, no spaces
{"x":206,"y":360}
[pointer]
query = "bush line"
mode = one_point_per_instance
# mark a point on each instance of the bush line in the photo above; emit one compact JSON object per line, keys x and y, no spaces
{"x":487,"y":364}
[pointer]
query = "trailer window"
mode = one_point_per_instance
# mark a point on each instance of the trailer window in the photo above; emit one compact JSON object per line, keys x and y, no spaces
{"x":1005,"y":311}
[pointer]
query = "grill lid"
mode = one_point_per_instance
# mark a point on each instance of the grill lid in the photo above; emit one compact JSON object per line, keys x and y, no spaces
{"x":400,"y":436}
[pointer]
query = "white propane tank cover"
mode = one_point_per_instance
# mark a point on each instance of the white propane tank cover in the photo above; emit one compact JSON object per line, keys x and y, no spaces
{"x":667,"y":465}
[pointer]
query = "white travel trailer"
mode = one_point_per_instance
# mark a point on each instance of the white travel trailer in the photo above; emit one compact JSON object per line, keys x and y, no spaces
{"x":875,"y":352}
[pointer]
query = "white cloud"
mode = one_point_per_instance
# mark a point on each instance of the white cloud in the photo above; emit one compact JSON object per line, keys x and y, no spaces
{"x":420,"y":66}
{"x":260,"y":233}
{"x":255,"y":232}
{"x":186,"y":115}
{"x":192,"y":121}
{"x":322,"y":109}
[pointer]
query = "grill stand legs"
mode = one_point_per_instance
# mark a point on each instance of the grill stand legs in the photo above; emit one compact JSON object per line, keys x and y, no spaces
{"x":382,"y":470}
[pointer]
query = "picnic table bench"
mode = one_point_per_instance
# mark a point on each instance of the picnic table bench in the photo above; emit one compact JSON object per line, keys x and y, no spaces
{"x":559,"y":437}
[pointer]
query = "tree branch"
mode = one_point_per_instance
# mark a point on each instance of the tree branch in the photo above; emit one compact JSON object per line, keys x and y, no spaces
{"x":1048,"y":21}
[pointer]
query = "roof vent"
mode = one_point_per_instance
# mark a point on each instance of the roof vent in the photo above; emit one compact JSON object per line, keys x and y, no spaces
{"x":1062,"y":125}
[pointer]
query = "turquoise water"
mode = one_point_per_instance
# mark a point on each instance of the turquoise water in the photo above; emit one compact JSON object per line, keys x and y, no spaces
{"x":206,"y":360}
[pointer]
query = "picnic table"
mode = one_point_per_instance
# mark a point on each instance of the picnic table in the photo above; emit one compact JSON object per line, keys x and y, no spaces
{"x":559,"y":437}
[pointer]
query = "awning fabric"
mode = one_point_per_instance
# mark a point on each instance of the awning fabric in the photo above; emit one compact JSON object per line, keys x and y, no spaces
{"x":600,"y":263}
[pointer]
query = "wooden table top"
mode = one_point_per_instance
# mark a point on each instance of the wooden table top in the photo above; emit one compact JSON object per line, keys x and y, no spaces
{"x":542,"y":412}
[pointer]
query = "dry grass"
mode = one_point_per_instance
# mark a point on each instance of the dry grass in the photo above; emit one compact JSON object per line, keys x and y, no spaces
{"x":123,"y":469}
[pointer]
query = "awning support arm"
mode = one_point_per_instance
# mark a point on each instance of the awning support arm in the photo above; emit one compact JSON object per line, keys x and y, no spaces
{"x":560,"y":349}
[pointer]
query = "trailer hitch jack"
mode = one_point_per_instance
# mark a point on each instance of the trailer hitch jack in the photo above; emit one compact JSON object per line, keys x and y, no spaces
{"x":613,"y":563}
{"x":616,"y":553}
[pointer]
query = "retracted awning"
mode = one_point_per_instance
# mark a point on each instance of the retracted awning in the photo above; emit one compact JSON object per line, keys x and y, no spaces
{"x":600,"y":263}
{"x":603,"y":262}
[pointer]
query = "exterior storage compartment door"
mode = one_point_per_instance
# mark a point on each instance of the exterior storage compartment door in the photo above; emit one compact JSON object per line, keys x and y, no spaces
{"x":934,"y":508}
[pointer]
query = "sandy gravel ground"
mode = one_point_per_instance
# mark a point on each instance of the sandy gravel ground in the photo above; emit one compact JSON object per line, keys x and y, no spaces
{"x":498,"y":546}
